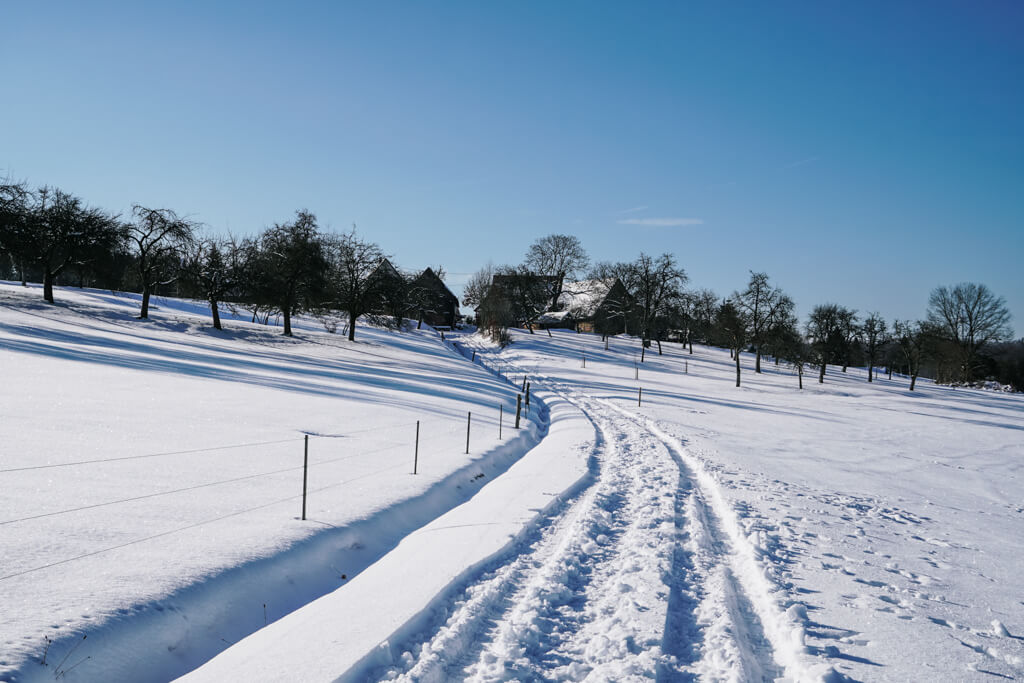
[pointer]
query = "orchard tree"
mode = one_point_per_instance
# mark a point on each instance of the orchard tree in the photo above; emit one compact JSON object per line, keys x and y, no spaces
{"x":560,"y":256}
{"x":63,"y":232}
{"x":733,"y":326}
{"x":824,"y":327}
{"x":286,"y":268}
{"x":762,"y":305}
{"x":351,"y":262}
{"x":658,"y":285}
{"x":969,"y":316}
{"x":213,"y":268}
{"x":15,"y":210}
{"x":849,"y":334}
{"x":914,"y":340}
{"x":160,"y":239}
{"x":875,"y":339}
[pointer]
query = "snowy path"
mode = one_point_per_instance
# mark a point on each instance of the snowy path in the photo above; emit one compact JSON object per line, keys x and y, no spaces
{"x":608,"y":589}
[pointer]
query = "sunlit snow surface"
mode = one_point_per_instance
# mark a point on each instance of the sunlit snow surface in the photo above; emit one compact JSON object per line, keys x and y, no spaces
{"x":849,"y":530}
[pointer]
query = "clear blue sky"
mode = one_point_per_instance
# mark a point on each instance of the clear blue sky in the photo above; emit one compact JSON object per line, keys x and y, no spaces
{"x":859,"y":152}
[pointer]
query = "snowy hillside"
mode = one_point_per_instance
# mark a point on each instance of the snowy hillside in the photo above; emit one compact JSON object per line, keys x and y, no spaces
{"x":849,"y":531}
{"x":846,"y":532}
{"x":152,"y":473}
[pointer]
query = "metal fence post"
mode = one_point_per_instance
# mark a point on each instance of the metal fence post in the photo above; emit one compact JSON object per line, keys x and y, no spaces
{"x":416,"y":453}
{"x":305,"y":473}
{"x":469,"y":420}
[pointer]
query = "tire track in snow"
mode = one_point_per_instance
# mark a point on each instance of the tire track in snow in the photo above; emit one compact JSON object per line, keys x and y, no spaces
{"x":635,"y":578}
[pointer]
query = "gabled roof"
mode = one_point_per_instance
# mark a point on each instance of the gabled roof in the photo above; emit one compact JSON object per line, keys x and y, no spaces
{"x":428,"y":276}
{"x":582,"y":298}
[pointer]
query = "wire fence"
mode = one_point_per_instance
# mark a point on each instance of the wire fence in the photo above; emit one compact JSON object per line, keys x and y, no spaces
{"x":239,"y":478}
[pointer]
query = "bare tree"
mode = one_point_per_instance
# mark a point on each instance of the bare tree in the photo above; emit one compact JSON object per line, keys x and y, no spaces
{"x":478,"y":285}
{"x":875,"y":338}
{"x":849,"y":334}
{"x":62,"y":232}
{"x":15,"y":225}
{"x":159,"y":238}
{"x":970,"y":316}
{"x":213,"y":268}
{"x":561,"y":256}
{"x":733,"y":326}
{"x":285,"y":268}
{"x":794,"y":348}
{"x":762,"y":306}
{"x":351,"y":262}
{"x":824,"y":327}
{"x":658,"y":287}
{"x":914,"y":340}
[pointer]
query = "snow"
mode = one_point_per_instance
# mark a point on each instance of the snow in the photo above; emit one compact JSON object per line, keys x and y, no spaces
{"x":849,"y":531}
{"x":207,"y":546}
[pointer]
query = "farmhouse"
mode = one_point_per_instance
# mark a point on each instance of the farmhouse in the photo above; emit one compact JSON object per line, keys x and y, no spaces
{"x":599,"y":305}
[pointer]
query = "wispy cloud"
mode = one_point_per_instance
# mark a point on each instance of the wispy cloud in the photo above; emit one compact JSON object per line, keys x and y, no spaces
{"x":661,"y":222}
{"x":634,"y":209}
{"x":800,"y":162}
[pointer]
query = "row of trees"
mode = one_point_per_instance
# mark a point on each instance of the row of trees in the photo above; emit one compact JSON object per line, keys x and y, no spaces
{"x":963,"y":336}
{"x":289,"y":268}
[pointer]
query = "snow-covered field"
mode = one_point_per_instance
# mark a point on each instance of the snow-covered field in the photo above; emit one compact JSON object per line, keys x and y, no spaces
{"x":152,"y":473}
{"x":849,"y":530}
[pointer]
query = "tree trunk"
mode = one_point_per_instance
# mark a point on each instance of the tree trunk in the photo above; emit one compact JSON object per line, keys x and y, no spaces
{"x":549,"y":331}
{"x":216,"y":314}
{"x":48,"y":286}
{"x":21,"y":271}
{"x":913,"y":380}
{"x":871,"y":369}
{"x":821,"y":377}
{"x":890,"y":372}
{"x":643,"y":350}
{"x":659,"y":347}
{"x":352,"y":326}
{"x":691,"y":346}
{"x":757,"y":361}
{"x":737,"y":367}
{"x":287,"y":313}
{"x":529,"y":326}
{"x":800,"y":376}
{"x":144,"y":313}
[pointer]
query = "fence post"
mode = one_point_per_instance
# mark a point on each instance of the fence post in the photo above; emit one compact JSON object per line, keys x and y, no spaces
{"x":584,"y":359}
{"x":636,"y":371}
{"x":686,"y":368}
{"x":527,"y":393}
{"x":469,"y":420}
{"x":519,"y":408}
{"x":501,"y":418}
{"x":473,"y":359}
{"x":524,"y":382}
{"x":416,"y":453}
{"x":639,"y":396}
{"x":305,"y":473}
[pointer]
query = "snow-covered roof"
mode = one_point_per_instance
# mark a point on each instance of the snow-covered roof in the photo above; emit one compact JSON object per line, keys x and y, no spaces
{"x":582,"y":298}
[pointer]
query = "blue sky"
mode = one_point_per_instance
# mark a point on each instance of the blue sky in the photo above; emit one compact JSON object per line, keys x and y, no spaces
{"x":861,"y":153}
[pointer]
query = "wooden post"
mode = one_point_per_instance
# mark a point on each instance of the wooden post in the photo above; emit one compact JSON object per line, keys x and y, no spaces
{"x":501,"y":418}
{"x":643,"y":350}
{"x":305,"y":474}
{"x":527,"y":393}
{"x":519,"y":408}
{"x":473,"y":359}
{"x":686,"y":368}
{"x":639,"y":397}
{"x":416,"y":453}
{"x":584,"y":359}
{"x":636,"y":371}
{"x":524,"y":384}
{"x":469,"y":419}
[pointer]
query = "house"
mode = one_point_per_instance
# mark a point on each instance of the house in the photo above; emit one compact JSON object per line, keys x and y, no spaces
{"x":599,"y":305}
{"x":434,"y":302}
